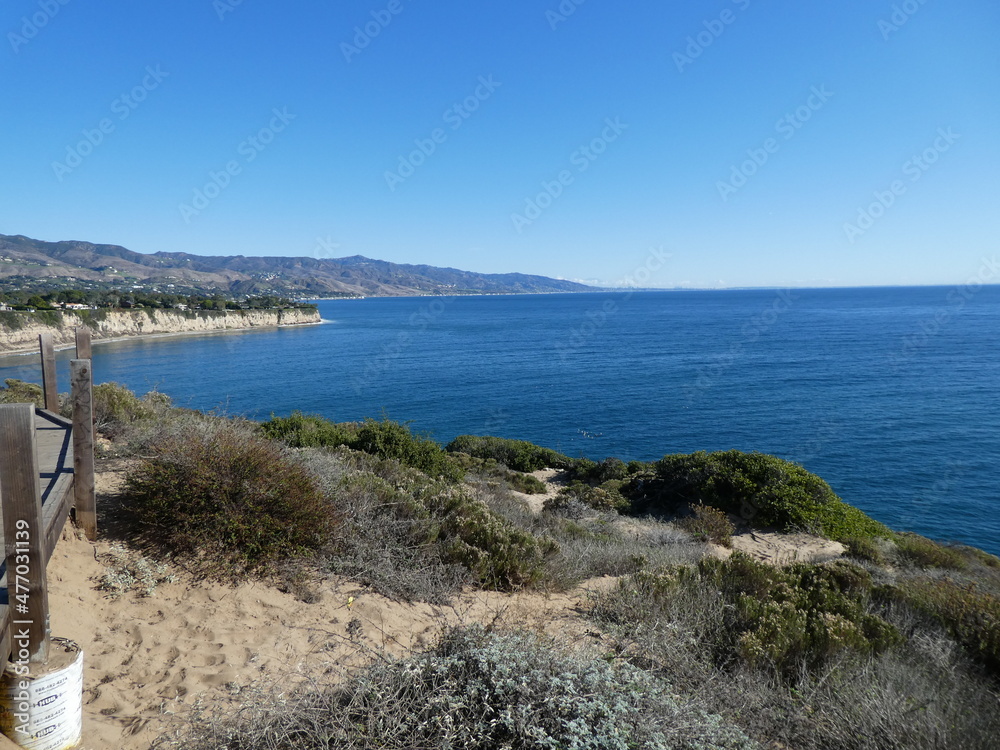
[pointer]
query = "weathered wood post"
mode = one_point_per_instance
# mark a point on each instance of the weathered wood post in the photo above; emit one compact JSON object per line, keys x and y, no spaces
{"x":83,"y":447}
{"x":83,"y":350}
{"x":49,"y":386}
{"x":24,"y":535}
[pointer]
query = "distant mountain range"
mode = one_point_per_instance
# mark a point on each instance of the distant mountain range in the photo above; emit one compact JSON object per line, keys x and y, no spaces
{"x":84,"y":264}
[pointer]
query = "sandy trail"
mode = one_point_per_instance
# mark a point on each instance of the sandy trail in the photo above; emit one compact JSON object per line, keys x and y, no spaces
{"x":148,"y":659}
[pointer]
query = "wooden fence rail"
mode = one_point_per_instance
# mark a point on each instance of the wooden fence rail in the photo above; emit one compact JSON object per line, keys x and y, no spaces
{"x":46,"y":468}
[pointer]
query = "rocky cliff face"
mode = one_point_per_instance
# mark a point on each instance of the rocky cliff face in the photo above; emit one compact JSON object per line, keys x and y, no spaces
{"x":19,"y":331}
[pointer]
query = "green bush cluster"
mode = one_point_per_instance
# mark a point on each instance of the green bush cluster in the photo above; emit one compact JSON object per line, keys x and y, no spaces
{"x":766,"y":490}
{"x":15,"y":320}
{"x":12,"y":321}
{"x":605,"y":497}
{"x":864,"y":549}
{"x":518,"y":455}
{"x":18,"y":392}
{"x":971,"y":616}
{"x":90,"y":317}
{"x":379,"y":437}
{"x":228,"y":502}
{"x":922,"y":552}
{"x":500,"y":555}
{"x":608,"y":470}
{"x":405,"y":532}
{"x":393,"y":440}
{"x":116,"y":407}
{"x":306,"y":431}
{"x":479,"y":690}
{"x":780,"y":619}
{"x":487,"y":467}
{"x":709,"y":524}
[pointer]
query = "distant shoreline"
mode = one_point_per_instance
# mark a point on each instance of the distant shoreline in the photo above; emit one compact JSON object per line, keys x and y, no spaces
{"x":170,"y":334}
{"x":116,"y":332}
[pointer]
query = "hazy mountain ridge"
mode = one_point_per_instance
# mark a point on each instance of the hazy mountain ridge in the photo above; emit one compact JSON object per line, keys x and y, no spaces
{"x":238,"y":274}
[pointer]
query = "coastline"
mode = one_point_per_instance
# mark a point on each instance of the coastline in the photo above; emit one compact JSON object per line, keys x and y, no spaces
{"x":166,"y":334}
{"x":124,"y":328}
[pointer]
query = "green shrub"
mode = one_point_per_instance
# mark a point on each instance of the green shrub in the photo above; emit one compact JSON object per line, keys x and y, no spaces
{"x":487,"y":467}
{"x":19,"y":392}
{"x":477,"y":690}
{"x":394,"y":440}
{"x":116,"y":407}
{"x":778,"y":619}
{"x":12,"y":321}
{"x":525,"y":483}
{"x":980,"y":557}
{"x":925,"y":553}
{"x":640,"y":467}
{"x":972,"y":617}
{"x":607,"y":497}
{"x":865,"y":549}
{"x":226,"y":501}
{"x":380,"y":438}
{"x":709,"y":524}
{"x":500,"y":555}
{"x":764,"y":489}
{"x":90,"y":317}
{"x":405,"y":532}
{"x":610,"y":469}
{"x":518,"y":455}
{"x":306,"y":431}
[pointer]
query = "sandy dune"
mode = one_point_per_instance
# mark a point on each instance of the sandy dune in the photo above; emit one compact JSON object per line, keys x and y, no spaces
{"x":149,"y":659}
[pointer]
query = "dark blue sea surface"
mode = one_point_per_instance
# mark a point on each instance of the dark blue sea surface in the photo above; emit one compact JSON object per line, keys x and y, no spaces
{"x":890,"y":394}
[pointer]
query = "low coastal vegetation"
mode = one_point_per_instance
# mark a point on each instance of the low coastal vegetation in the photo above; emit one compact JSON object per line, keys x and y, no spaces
{"x":896,"y":644}
{"x":17,"y":299}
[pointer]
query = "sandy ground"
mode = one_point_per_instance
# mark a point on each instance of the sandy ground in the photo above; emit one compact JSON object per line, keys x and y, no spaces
{"x":149,"y":659}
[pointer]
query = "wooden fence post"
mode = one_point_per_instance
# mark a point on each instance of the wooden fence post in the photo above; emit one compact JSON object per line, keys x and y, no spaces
{"x":83,"y":350}
{"x":24,"y":535}
{"x":49,"y":386}
{"x":83,"y":447}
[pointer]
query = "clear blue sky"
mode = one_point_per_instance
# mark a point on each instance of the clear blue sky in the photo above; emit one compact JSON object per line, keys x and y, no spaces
{"x":697,"y":89}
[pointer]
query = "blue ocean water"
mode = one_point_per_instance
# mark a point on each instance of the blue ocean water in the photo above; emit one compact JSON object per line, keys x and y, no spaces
{"x":890,"y":394}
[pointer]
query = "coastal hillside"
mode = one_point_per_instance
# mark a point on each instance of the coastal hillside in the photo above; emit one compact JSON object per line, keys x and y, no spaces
{"x":37,"y":264}
{"x":364,"y":587}
{"x":19,"y":331}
